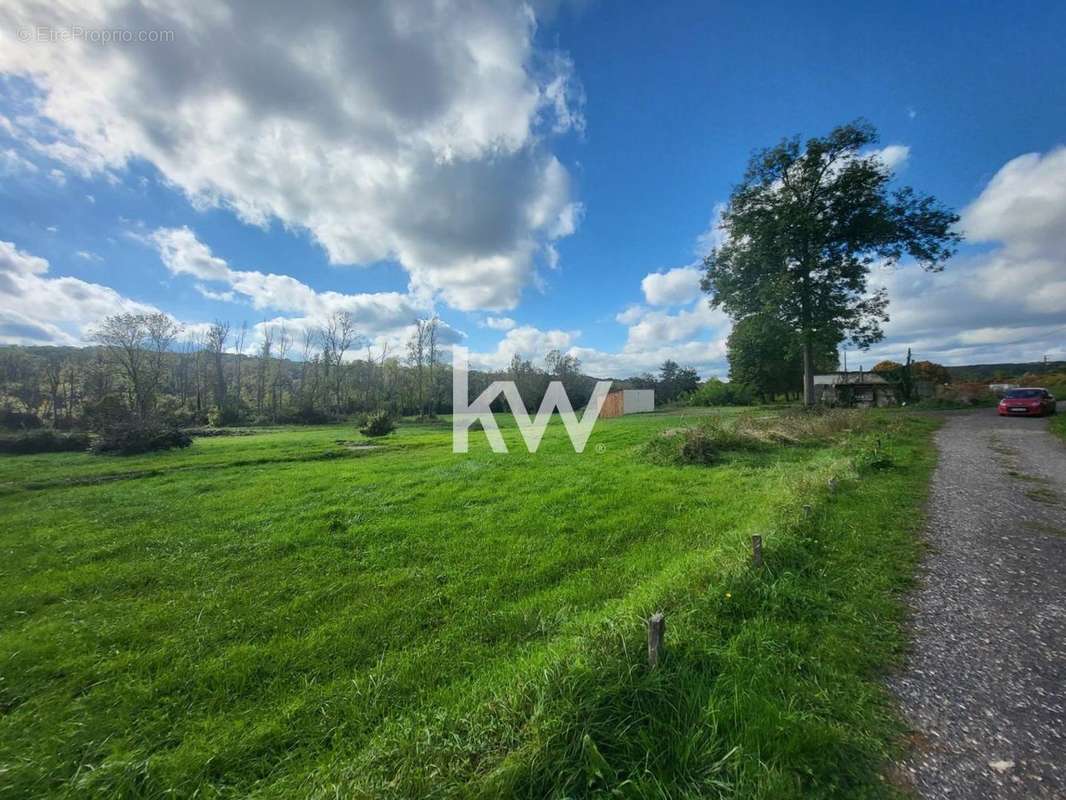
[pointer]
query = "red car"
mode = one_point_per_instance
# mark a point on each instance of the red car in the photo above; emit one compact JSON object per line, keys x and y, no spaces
{"x":1027,"y":403}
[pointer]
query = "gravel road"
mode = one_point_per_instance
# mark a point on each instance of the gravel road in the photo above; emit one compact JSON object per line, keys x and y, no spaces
{"x":984,"y":687}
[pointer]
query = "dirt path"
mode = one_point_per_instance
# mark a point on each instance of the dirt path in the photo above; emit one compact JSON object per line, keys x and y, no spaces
{"x":984,"y":688}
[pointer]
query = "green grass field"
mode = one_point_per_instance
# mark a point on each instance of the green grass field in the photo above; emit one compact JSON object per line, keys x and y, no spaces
{"x":1058,"y":423}
{"x":281,"y":615}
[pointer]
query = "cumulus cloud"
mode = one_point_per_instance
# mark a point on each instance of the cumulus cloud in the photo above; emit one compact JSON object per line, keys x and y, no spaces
{"x":38,"y":309}
{"x":693,"y":336}
{"x":382,"y":316}
{"x":893,"y":155}
{"x":499,"y":323}
{"x":399,"y":130}
{"x":526,"y":341}
{"x":1002,"y":305}
{"x":1023,"y":206}
{"x":673,"y":287}
{"x":706,"y":356}
{"x":13,"y":163}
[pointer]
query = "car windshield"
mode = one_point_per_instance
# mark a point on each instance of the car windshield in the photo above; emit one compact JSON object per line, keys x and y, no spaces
{"x":1017,"y":394}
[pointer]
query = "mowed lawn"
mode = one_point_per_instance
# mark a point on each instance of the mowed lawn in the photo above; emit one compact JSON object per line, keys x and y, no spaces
{"x":283,"y":615}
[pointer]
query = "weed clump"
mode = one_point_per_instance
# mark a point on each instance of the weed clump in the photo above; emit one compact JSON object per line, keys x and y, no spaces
{"x":704,"y":442}
{"x":378,"y":424}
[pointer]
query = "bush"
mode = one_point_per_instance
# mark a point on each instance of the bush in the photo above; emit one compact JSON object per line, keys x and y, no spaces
{"x":105,"y":413}
{"x":43,"y":441}
{"x":132,"y":438}
{"x":972,"y":394}
{"x":719,"y":393}
{"x":305,"y":416}
{"x":171,"y":412}
{"x":231,"y":414}
{"x":12,"y":420}
{"x":378,"y":424}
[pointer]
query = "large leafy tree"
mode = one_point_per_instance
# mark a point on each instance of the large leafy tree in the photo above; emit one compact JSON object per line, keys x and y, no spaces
{"x":804,"y":227}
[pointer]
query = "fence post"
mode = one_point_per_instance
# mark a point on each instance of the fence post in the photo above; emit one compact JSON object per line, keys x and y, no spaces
{"x":656,"y":629}
{"x":756,"y":550}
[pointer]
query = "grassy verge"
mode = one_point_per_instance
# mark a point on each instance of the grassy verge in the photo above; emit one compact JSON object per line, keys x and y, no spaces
{"x":253,"y":618}
{"x":1058,"y":424}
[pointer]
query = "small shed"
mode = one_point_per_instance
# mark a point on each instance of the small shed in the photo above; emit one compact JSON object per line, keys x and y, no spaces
{"x":862,"y":389}
{"x":628,"y":401}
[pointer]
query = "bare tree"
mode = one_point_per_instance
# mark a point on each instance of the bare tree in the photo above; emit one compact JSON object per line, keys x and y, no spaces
{"x":137,"y":344}
{"x":53,"y":375}
{"x":217,"y":335}
{"x":277,"y":384}
{"x":263,"y":368}
{"x":416,"y":357}
{"x":70,"y":372}
{"x":432,"y":359}
{"x":337,"y":336}
{"x":239,"y":348}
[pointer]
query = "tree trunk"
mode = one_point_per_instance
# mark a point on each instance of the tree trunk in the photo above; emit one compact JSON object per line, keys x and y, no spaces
{"x":808,"y":371}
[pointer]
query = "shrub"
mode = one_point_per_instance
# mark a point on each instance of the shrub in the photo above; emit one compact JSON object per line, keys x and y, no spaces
{"x":305,"y":416}
{"x":132,"y":438}
{"x":378,"y":424}
{"x":719,"y":393}
{"x":974,"y":394}
{"x":12,"y":420}
{"x":172,"y":413}
{"x":43,"y":441}
{"x":105,"y":413}
{"x":231,"y":414}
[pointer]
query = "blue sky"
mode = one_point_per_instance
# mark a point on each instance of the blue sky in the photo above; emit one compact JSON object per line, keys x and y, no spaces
{"x":541,"y":176}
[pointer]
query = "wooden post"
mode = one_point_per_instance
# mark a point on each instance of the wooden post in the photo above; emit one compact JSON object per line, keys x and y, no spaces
{"x":656,"y":629}
{"x":756,"y":550}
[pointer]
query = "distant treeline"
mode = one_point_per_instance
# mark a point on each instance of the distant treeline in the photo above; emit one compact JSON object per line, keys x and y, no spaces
{"x":1004,"y":373}
{"x":141,"y":368}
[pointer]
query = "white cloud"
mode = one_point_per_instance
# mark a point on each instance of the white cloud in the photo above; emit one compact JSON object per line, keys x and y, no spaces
{"x":714,"y":236}
{"x":222,"y":297}
{"x":58,"y":177}
{"x":499,"y":323}
{"x":409,"y":130}
{"x":384,"y":316}
{"x":87,"y":255}
{"x":526,"y":341}
{"x":657,"y":328}
{"x":630,"y":314}
{"x":671,"y":288}
{"x":1024,"y":206}
{"x":37,"y":309}
{"x":893,"y":155}
{"x":706,"y":356}
{"x":1002,"y":305}
{"x":12,"y":163}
